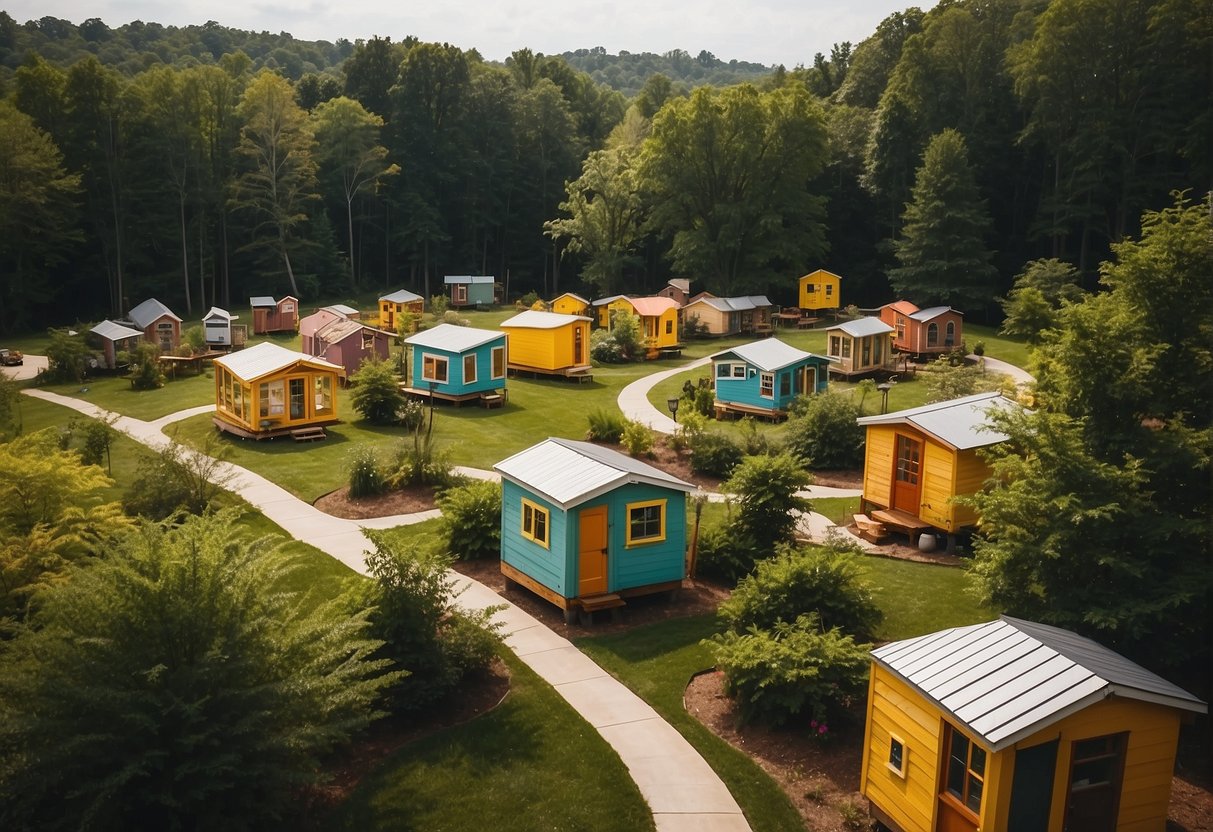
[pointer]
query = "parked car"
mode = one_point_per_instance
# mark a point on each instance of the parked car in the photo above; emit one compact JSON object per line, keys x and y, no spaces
{"x":11,"y":358}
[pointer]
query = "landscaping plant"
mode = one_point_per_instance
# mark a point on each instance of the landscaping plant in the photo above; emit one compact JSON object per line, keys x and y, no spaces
{"x":638,"y":439}
{"x":366,"y":479}
{"x":714,"y":454}
{"x":471,"y":519}
{"x":375,"y":392}
{"x":823,"y":432}
{"x":605,"y":425}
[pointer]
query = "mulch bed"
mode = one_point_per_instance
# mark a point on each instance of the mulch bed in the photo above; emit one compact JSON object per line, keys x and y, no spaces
{"x":401,"y":501}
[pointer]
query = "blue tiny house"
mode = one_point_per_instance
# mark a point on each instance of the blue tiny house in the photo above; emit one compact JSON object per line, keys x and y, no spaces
{"x":473,"y":289}
{"x":763,"y":377}
{"x":457,"y":363}
{"x":585,"y":526}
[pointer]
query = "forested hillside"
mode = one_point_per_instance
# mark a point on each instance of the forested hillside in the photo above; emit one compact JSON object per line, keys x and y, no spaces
{"x":627,"y":72}
{"x":935,"y":158}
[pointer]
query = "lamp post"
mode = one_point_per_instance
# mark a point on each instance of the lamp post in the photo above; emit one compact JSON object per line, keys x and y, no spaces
{"x":672,"y":404}
{"x":884,"y":387}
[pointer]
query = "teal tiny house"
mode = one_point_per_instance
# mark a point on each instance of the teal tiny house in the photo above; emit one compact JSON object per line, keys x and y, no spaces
{"x":763,"y":377}
{"x":457,"y":363}
{"x":473,"y":289}
{"x":585,"y":527}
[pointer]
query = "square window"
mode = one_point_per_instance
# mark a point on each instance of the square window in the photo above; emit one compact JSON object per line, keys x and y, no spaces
{"x":738,"y":371}
{"x":646,"y":522}
{"x":433,"y":368}
{"x":535,"y":523}
{"x":469,"y":369}
{"x":723,"y":370}
{"x":897,"y":756}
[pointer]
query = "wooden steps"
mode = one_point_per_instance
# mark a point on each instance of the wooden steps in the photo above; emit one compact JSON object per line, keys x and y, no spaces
{"x":308,"y":434}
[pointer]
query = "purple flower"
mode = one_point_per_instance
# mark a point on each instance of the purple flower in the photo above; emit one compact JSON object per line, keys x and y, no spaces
{"x":822,"y":729}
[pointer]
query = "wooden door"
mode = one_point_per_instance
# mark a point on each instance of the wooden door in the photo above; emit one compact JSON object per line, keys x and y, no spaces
{"x":1096,"y":770}
{"x":592,"y":551}
{"x":578,"y":345}
{"x":806,"y":381}
{"x":907,"y":474}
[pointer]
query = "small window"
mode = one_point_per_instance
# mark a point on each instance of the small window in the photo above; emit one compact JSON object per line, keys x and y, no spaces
{"x":368,"y":340}
{"x":738,"y":371}
{"x":724,"y":370}
{"x":669,"y":327}
{"x":469,"y":369}
{"x":932,"y":334}
{"x":949,"y":333}
{"x":433,"y":368}
{"x":829,"y":289}
{"x":811,"y":288}
{"x":498,"y":362}
{"x":785,"y":385}
{"x":897,"y":755}
{"x":846,"y":348}
{"x":835,"y":345}
{"x":535,"y":523}
{"x":766,"y":385}
{"x":288,"y":307}
{"x":646,"y":522}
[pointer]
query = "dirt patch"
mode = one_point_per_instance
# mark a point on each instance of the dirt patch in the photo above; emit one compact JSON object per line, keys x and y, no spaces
{"x":401,"y":501}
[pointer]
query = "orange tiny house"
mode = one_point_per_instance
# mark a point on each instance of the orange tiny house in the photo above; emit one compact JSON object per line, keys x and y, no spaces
{"x":1018,"y":726}
{"x":933,"y":331}
{"x":820,"y":290}
{"x":268,"y":390}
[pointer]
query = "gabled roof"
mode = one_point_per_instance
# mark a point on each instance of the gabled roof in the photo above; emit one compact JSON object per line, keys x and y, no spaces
{"x":147,"y":312}
{"x":402,"y":296}
{"x":535,"y":319}
{"x":682,"y":284}
{"x":469,"y":278}
{"x":453,"y":338}
{"x":112,"y":331}
{"x":266,"y":300}
{"x":216,"y":312}
{"x":652,"y":307}
{"x":262,"y":359}
{"x":567,"y":473}
{"x":958,"y":423}
{"x":902,"y":306}
{"x":1007,"y":679}
{"x":338,"y":330}
{"x":768,"y":355}
{"x":572,"y":295}
{"x":611,"y":299}
{"x":862,"y":327}
{"x":738,"y":304}
{"x":816,"y":272}
{"x":933,"y":312}
{"x":342,"y":310}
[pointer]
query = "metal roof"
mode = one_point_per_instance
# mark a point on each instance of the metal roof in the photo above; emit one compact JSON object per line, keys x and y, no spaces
{"x":1007,"y":679}
{"x":905,"y":307}
{"x":453,"y":338}
{"x":262,"y":300}
{"x":534,"y":319}
{"x":738,"y":304}
{"x":572,"y":295}
{"x":959,"y":423}
{"x":683,"y":284}
{"x":262,"y":359}
{"x":933,"y":312}
{"x":342,"y":309}
{"x":147,"y":312}
{"x":339,"y":330}
{"x":769,"y":354}
{"x":651,"y":307}
{"x":216,"y":312}
{"x":862,"y":327}
{"x":402,"y":296}
{"x":112,"y":331}
{"x":568,"y":473}
{"x":611,"y":299}
{"x":469,"y":278}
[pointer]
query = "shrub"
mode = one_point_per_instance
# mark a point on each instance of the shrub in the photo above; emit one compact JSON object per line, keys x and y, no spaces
{"x":439,"y":304}
{"x":605,"y":425}
{"x":376,"y":392}
{"x":714,"y":454}
{"x":800,"y":581}
{"x":605,"y":349}
{"x":471,"y":519}
{"x":67,"y":356}
{"x":178,"y":478}
{"x":638,"y":439}
{"x":452,"y":317}
{"x":411,"y":414}
{"x":693,"y":329}
{"x":366,"y":480}
{"x":98,"y":436}
{"x":793,"y":670}
{"x":629,"y":335}
{"x":765,"y":488}
{"x":824,"y":433}
{"x":690,"y":427}
{"x":753,"y":441}
{"x":722,"y":554}
{"x":418,"y":462}
{"x":194,"y":339}
{"x":145,"y":367}
{"x":529,"y":299}
{"x":946,"y":380}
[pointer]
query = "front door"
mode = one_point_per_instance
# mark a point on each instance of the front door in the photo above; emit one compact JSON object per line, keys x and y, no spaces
{"x":806,"y":381}
{"x":578,"y":346}
{"x":907,"y":474}
{"x":592,"y":551}
{"x":298,"y":398}
{"x":1096,"y":768}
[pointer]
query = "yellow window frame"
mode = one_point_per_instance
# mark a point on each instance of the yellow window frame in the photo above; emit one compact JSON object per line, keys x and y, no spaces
{"x":530,"y":512}
{"x":644,"y":541}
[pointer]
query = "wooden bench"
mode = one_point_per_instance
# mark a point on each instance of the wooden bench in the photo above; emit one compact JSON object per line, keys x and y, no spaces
{"x":491,"y":400}
{"x":308,"y":434}
{"x":870,"y":530}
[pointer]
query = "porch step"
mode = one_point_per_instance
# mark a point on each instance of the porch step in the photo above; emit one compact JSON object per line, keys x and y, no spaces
{"x":308,"y":434}
{"x":597,"y":603}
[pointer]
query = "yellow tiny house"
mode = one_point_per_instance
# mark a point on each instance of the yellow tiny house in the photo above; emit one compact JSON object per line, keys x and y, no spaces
{"x":604,"y":308}
{"x":820,"y":290}
{"x":570,"y":304}
{"x":268,"y":390}
{"x":1018,"y":726}
{"x":548,"y":343}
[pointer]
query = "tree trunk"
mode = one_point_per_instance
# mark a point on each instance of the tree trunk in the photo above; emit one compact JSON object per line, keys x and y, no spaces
{"x":349,"y":222}
{"x":185,"y":256}
{"x":286,"y":260}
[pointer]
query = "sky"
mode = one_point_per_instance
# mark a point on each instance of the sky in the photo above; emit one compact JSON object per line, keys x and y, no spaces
{"x":787,"y":32}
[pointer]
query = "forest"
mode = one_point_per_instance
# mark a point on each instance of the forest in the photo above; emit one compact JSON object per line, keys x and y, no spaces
{"x":935,"y":158}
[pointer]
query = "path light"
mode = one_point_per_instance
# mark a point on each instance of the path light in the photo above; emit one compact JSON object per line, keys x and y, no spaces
{"x":672,"y":404}
{"x":884,"y":387}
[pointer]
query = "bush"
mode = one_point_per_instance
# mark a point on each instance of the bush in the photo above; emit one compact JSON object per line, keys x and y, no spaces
{"x":694,"y":329}
{"x":799,"y":581}
{"x":178,"y":478}
{"x":824,"y":433}
{"x":411,"y":414}
{"x":753,"y":441}
{"x":765,"y":488}
{"x":98,"y":436}
{"x":194,"y":340}
{"x":145,"y":367}
{"x":606,"y":426}
{"x":67,"y":356}
{"x":791,"y":671}
{"x":366,"y":480}
{"x":439,"y":304}
{"x":529,"y":299}
{"x":714,"y":454}
{"x":690,"y":427}
{"x":629,"y":335}
{"x":471,"y":519}
{"x":638,"y":439}
{"x":723,"y":554}
{"x":452,"y":317}
{"x":418,"y":462}
{"x":605,"y":349}
{"x":376,"y":392}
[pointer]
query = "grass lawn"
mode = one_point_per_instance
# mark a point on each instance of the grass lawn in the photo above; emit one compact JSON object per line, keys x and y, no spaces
{"x":530,"y":764}
{"x":919,"y":598}
{"x":838,"y":509}
{"x":115,"y":393}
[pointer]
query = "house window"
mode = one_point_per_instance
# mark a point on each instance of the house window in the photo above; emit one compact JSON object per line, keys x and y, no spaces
{"x":835,"y":345}
{"x":461,"y":293}
{"x":785,"y":385}
{"x":949,"y":334}
{"x":766,"y":385}
{"x":669,"y":327}
{"x":897,"y":755}
{"x":288,"y":307}
{"x":932,"y":334}
{"x":846,"y":348}
{"x":966,"y":773}
{"x":433,"y":368}
{"x":867,"y":351}
{"x":535,"y":520}
{"x":908,"y":459}
{"x":738,"y":371}
{"x":469,"y":369}
{"x":368,"y":340}
{"x":811,"y":288}
{"x":878,"y":349}
{"x":724,"y":370}
{"x":901,"y":328}
{"x":829,"y":289}
{"x":273,"y":398}
{"x":646,"y":522}
{"x":498,"y":362}
{"x":324,"y":395}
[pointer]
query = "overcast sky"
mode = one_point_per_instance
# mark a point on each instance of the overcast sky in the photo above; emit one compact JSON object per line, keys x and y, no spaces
{"x":770,"y":32}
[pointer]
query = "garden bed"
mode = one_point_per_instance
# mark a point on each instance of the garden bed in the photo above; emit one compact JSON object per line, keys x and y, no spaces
{"x":399,"y":501}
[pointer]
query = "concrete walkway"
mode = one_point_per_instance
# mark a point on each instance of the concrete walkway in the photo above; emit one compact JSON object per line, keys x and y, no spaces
{"x":994,"y":365}
{"x":634,"y":399}
{"x":682,"y":790}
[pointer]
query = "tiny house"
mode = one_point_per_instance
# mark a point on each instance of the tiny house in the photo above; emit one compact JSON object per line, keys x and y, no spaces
{"x":158,"y":324}
{"x":1018,"y":726}
{"x":112,"y":338}
{"x":678,"y":289}
{"x":729,"y":316}
{"x":347,"y":344}
{"x":917,"y":331}
{"x":220,"y":331}
{"x":548,"y":343}
{"x":473,"y":290}
{"x":313,"y":323}
{"x":267,"y":390}
{"x":820,"y":290}
{"x":763,"y":377}
{"x":271,"y":315}
{"x":586,"y":527}
{"x":392,"y":306}
{"x":860,"y":347}
{"x":607,"y":308}
{"x":658,"y":323}
{"x":457,"y":363}
{"x":918,"y":461}
{"x":570,"y":304}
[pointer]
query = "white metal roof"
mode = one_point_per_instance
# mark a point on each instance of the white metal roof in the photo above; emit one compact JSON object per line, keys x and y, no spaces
{"x":933,"y":312}
{"x":535,"y":319}
{"x":862,"y":327}
{"x":262,"y":300}
{"x":568,"y":473}
{"x":959,"y":423}
{"x":342,"y":310}
{"x":112,"y":331}
{"x":265,"y":358}
{"x":769,"y":354}
{"x":216,"y":312}
{"x":469,"y":278}
{"x":147,"y":312}
{"x":1007,"y":679}
{"x":737,"y":304}
{"x":453,"y":338}
{"x":402,"y":296}
{"x":572,"y":295}
{"x":605,"y":301}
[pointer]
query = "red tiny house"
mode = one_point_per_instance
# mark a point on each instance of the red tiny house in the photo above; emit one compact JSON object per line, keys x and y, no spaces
{"x":270,"y":315}
{"x":933,"y":331}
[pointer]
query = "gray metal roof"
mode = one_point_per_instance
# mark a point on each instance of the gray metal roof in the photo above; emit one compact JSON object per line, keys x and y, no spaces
{"x":959,"y":423}
{"x":469,"y":278}
{"x":147,"y":312}
{"x":1007,"y":679}
{"x":342,"y":309}
{"x":216,"y":312}
{"x":738,"y":304}
{"x":262,"y":300}
{"x":568,"y":473}
{"x":535,"y":319}
{"x":265,"y":358}
{"x":605,"y":301}
{"x":112,"y":331}
{"x":769,"y":354}
{"x":453,"y":338}
{"x":681,"y":283}
{"x":402,"y":296}
{"x":862,"y":327}
{"x":933,"y":312}
{"x":339,"y":330}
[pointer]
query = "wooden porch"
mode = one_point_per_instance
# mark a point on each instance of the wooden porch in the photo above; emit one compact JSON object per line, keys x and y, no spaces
{"x":580,"y":374}
{"x":732,"y":410}
{"x":486,"y":398}
{"x":586,"y":605}
{"x":308,"y":431}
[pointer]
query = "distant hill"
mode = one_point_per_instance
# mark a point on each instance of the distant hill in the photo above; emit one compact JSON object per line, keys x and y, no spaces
{"x":628,"y":71}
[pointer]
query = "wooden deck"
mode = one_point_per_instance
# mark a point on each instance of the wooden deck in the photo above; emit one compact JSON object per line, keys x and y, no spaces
{"x":273,"y":432}
{"x":579,"y":374}
{"x":460,"y":400}
{"x":902,"y":521}
{"x":588,"y":604}
{"x":726,"y":410}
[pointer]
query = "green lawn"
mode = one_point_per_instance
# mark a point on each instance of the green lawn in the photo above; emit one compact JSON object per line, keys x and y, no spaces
{"x":919,"y":598}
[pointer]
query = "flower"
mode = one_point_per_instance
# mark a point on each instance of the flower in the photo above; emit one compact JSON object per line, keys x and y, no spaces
{"x":822,"y":729}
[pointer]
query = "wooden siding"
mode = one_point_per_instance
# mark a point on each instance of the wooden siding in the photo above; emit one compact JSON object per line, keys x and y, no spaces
{"x":548,"y":349}
{"x":971,"y":476}
{"x":661,"y":330}
{"x":554,"y":567}
{"x":878,"y":465}
{"x":945,"y":474}
{"x":938,"y":483}
{"x":454,"y":384}
{"x":818,"y":298}
{"x":619,"y":305}
{"x":894,"y":708}
{"x":716,"y":321}
{"x":247,"y":413}
{"x":649,"y":563}
{"x":570,"y":306}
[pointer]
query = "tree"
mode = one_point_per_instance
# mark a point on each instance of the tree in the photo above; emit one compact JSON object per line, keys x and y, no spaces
{"x":823,"y":431}
{"x":765,"y":490}
{"x":178,"y":683}
{"x":370,"y":73}
{"x":376,"y":392}
{"x":1039,"y":291}
{"x":178,"y":478}
{"x":942,"y":252}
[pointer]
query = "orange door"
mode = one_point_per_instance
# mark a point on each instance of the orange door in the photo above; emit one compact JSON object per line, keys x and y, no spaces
{"x":907,"y":474}
{"x":592,"y":551}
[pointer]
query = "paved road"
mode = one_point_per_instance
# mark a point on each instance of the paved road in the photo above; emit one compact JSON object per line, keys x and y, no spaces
{"x":682,"y":790}
{"x":32,"y":365}
{"x":634,"y":399}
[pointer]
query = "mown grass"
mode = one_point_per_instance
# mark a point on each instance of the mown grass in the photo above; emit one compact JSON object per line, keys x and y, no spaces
{"x":919,"y":598}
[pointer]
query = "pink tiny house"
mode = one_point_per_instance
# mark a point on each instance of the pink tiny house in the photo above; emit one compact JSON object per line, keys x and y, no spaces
{"x":346,"y":343}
